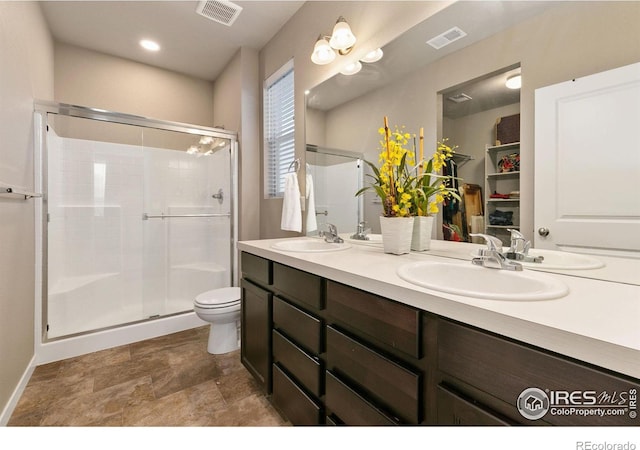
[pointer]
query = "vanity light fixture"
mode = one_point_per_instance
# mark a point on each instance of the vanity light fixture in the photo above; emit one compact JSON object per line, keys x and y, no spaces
{"x":341,"y":40}
{"x":352,"y":68}
{"x":149,"y":45}
{"x":514,"y":82}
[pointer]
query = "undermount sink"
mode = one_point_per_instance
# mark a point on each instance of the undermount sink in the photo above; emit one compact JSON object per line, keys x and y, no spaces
{"x":481,"y":282}
{"x":309,"y":246}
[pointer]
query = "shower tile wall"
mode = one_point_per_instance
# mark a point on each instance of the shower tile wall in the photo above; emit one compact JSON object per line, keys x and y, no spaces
{"x":105,"y":264}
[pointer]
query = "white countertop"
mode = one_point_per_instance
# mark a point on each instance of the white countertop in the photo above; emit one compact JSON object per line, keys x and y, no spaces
{"x":597,"y":322}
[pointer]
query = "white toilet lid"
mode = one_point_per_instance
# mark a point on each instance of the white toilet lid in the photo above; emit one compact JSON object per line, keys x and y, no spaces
{"x":219,"y":298}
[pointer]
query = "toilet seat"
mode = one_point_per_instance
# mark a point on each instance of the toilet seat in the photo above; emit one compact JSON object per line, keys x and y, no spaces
{"x":219,"y":298}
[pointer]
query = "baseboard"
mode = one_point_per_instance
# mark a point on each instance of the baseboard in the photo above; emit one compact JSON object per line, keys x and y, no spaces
{"x":17,"y":393}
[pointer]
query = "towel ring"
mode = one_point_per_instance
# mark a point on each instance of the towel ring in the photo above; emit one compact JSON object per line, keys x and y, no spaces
{"x":295,"y":163}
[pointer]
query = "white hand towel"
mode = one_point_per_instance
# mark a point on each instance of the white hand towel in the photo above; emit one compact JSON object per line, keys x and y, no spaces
{"x":312,"y":224}
{"x":291,"y":211}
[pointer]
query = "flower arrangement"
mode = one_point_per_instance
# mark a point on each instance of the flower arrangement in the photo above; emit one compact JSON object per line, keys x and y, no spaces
{"x":406,"y":188}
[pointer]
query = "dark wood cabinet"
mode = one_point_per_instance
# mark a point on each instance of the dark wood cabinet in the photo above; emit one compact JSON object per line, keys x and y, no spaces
{"x":454,"y":409}
{"x":497,"y":370}
{"x":328,"y":353}
{"x":256,"y":332}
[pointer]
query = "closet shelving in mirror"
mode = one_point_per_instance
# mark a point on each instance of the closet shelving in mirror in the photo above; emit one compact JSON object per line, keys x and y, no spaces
{"x":502,"y":189}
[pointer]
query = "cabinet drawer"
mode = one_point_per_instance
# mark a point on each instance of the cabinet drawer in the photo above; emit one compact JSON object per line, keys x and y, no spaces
{"x":379,"y":319}
{"x":298,"y":408}
{"x":256,"y":269}
{"x":455,"y":410}
{"x":303,"y":328}
{"x":504,"y":369}
{"x":384,"y":381}
{"x":306,"y":369}
{"x":351,"y":407}
{"x":298,"y":286}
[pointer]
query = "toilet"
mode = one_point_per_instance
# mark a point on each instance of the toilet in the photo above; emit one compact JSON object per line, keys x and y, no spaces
{"x":221,"y":308}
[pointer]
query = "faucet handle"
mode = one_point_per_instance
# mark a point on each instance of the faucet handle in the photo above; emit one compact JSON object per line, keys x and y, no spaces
{"x":493,"y":243}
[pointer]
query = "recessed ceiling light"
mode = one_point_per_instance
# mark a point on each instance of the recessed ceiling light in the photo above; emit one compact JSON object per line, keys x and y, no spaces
{"x":149,"y":45}
{"x":514,"y":82}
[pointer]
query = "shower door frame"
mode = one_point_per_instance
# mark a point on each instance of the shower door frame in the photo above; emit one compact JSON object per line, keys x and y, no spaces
{"x":41,"y":111}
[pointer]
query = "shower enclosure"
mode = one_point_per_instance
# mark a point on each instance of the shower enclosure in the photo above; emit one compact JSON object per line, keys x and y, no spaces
{"x":137,"y":218}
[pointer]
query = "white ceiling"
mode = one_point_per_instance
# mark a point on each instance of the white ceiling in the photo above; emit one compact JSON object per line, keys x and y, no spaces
{"x":190,"y":44}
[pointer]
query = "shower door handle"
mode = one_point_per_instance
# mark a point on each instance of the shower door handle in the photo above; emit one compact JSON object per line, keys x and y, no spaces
{"x":146,"y":216}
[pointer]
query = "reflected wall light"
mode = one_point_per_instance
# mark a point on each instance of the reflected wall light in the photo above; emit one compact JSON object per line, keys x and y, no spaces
{"x":372,"y":56}
{"x":514,"y":82}
{"x":351,"y":68}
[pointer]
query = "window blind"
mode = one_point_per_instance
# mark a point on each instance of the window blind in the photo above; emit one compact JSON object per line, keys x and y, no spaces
{"x":279,"y":129}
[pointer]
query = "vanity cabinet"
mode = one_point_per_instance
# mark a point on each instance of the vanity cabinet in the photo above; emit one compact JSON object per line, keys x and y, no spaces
{"x":482,"y":375}
{"x":328,"y":353}
{"x":502,"y":176}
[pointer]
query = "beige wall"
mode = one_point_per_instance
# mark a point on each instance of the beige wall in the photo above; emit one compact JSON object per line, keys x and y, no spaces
{"x":26,"y":73}
{"x":237,"y":108}
{"x":87,"y":78}
{"x":573,"y":39}
{"x":374,"y":23}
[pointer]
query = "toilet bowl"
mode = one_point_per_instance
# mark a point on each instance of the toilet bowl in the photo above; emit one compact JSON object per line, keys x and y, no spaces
{"x":220,"y":308}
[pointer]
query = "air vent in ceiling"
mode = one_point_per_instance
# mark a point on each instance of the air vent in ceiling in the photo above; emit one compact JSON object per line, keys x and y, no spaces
{"x":220,"y":11}
{"x":446,"y":38}
{"x":459,"y":98}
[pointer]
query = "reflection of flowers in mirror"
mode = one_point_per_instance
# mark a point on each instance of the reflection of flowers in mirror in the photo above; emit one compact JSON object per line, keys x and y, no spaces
{"x":405,"y":187}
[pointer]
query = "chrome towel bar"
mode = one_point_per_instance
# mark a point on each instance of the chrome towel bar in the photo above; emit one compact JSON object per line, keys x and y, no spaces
{"x":18,"y":191}
{"x":146,"y":216}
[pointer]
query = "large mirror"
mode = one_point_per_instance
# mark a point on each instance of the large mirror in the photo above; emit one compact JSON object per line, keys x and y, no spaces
{"x":547,"y":42}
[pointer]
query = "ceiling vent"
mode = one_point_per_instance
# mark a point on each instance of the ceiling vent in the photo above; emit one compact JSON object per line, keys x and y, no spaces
{"x":219,"y":11}
{"x":459,"y":98}
{"x":446,"y":38}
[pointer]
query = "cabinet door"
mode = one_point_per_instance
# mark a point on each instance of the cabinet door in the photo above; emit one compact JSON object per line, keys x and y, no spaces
{"x":256,"y":333}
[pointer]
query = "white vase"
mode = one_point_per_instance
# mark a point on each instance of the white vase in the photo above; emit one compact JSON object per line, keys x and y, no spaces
{"x":396,"y":234}
{"x":421,"y":237}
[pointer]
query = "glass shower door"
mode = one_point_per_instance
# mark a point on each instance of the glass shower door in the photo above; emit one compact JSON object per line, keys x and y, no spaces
{"x":187,"y":219}
{"x":139,"y":222}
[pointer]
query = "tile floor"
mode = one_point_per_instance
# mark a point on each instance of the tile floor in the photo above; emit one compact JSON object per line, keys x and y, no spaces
{"x":166,"y":381}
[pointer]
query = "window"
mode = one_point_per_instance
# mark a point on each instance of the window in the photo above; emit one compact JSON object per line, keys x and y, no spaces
{"x":278,"y":129}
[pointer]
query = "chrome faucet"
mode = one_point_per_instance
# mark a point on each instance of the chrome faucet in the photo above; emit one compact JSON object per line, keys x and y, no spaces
{"x":331,"y":235}
{"x":492,"y":256}
{"x":361,"y":234}
{"x":519,"y":249}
